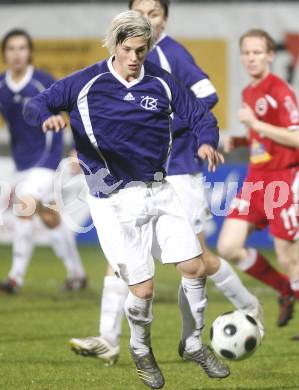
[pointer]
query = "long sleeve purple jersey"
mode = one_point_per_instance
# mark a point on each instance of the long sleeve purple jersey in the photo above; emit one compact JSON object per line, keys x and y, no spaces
{"x":29,"y":145}
{"x":122,"y":130}
{"x":174,"y":58}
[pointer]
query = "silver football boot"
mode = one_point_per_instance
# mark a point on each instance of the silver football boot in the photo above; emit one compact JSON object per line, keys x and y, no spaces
{"x":95,"y":346}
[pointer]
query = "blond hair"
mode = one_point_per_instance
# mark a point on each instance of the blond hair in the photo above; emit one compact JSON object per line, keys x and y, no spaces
{"x":259,"y":33}
{"x":128,"y":24}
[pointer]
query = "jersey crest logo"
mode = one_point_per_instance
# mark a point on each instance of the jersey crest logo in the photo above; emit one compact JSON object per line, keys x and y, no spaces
{"x":258,"y":153}
{"x":261,"y":106}
{"x":129,"y":97}
{"x":149,"y":103}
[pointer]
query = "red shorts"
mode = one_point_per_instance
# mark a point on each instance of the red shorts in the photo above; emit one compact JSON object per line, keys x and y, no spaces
{"x":270,"y":198}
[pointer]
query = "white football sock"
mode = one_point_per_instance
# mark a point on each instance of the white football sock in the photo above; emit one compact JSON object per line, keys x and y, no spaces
{"x":192,"y":302}
{"x":295,"y":285}
{"x":249,"y":261}
{"x":114,"y":295}
{"x":228,"y":282}
{"x":187,"y":318}
{"x":23,"y":244}
{"x":140,"y":317}
{"x":64,"y":245}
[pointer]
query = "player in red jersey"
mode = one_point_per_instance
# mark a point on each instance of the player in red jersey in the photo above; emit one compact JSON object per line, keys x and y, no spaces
{"x":270,"y":192}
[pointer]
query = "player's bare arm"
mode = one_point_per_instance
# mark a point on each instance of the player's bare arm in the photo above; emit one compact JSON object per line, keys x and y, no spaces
{"x":281,"y":135}
{"x":54,"y":122}
{"x":214,"y":158}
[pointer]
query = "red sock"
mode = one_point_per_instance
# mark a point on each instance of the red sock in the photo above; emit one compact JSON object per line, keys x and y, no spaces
{"x":263,"y":271}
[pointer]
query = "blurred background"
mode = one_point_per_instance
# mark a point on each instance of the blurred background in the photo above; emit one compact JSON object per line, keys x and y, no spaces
{"x":68,"y":36}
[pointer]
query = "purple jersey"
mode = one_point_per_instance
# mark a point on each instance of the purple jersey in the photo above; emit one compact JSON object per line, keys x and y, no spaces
{"x":122,"y":130}
{"x":30,"y":146}
{"x":174,"y":58}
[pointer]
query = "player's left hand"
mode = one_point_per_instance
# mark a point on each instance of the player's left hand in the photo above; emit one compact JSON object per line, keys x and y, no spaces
{"x":214,"y":158}
{"x":247,"y":116}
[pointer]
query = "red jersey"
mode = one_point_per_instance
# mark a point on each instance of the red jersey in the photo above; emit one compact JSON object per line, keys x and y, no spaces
{"x":273,"y":102}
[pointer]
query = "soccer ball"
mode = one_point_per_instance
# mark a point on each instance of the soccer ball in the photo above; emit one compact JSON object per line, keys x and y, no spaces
{"x":235,"y":335}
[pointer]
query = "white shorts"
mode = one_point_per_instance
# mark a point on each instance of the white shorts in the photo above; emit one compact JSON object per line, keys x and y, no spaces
{"x":35,"y":182}
{"x":190,"y":190}
{"x":138,"y":224}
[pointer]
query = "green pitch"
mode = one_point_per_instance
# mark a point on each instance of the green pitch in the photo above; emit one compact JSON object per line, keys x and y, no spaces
{"x":36,"y":325}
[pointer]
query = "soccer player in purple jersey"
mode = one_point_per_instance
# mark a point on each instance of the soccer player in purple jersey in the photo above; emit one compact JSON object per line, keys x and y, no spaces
{"x":184,"y":172}
{"x":36,"y":158}
{"x":120,"y":111}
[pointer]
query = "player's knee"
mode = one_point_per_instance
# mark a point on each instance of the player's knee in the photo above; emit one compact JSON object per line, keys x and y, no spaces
{"x":49,"y":221}
{"x":287,"y":254}
{"x":282,"y":256}
{"x":49,"y":217}
{"x":200,"y":269}
{"x":194,"y":268}
{"x":144,"y":290}
{"x":211,"y":261}
{"x":225,"y":249}
{"x":145,"y":294}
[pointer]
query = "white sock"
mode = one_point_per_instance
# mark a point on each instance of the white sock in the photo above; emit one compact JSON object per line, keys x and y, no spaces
{"x":228,"y":282}
{"x":23,"y":244}
{"x":114,"y":295}
{"x":192,"y":302}
{"x":295,"y":285}
{"x":249,"y":261}
{"x":140,"y":317}
{"x":64,"y":245}
{"x":187,"y":318}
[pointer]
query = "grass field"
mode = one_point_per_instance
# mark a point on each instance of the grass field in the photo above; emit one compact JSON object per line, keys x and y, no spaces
{"x":35,"y":327}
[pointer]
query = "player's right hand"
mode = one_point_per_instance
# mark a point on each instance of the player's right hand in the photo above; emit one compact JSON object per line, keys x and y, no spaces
{"x":54,"y":123}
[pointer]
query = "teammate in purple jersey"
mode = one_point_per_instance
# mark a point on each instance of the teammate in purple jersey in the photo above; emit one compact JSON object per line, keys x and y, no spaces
{"x":36,"y":158}
{"x":120,"y":111}
{"x":184,"y":170}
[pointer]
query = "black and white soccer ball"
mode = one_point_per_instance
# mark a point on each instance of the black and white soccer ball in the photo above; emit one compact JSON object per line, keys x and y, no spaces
{"x":235,"y":335}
